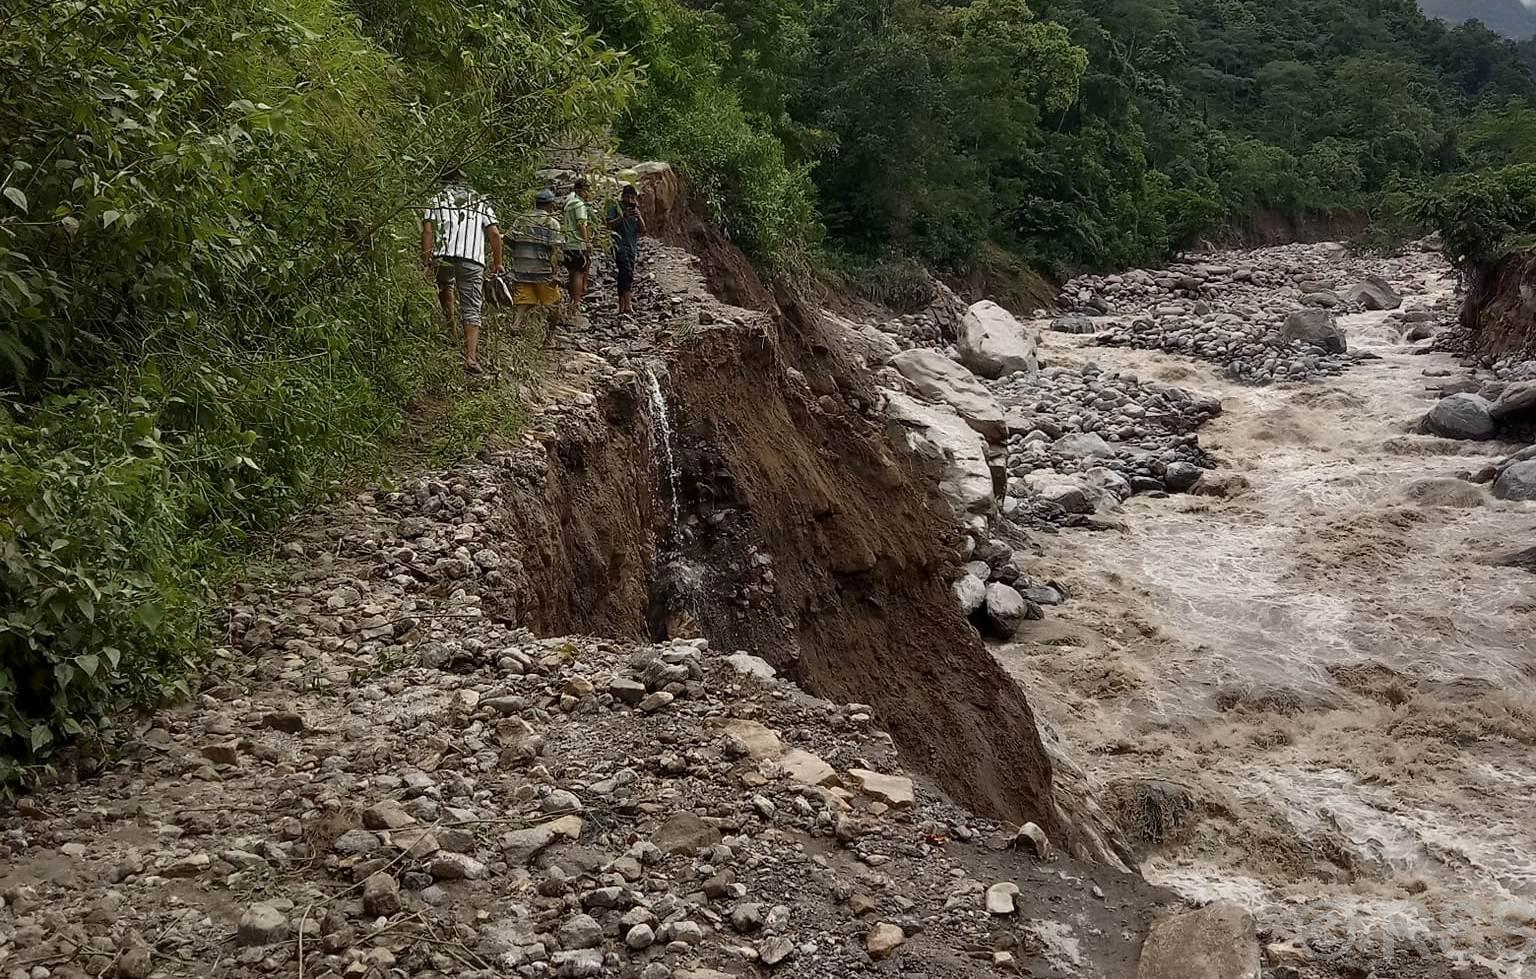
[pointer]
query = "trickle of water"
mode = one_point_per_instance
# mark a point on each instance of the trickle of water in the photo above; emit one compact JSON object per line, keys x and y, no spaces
{"x":661,"y":433}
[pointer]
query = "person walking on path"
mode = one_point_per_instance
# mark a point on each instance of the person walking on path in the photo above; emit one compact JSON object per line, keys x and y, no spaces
{"x":576,"y":221}
{"x":626,"y":224}
{"x":535,"y":262}
{"x":455,"y":230}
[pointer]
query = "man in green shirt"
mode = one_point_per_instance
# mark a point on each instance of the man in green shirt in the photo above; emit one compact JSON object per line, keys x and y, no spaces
{"x":576,"y":223}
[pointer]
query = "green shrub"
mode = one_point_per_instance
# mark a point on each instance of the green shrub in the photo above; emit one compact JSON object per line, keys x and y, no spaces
{"x":1484,"y":216}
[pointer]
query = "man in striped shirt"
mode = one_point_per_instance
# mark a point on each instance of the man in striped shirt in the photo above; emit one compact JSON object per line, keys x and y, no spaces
{"x":455,"y":230}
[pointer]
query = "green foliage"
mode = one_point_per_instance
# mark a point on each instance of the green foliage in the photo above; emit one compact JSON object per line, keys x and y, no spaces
{"x":716,"y":117}
{"x":1484,"y":216}
{"x":209,"y":295}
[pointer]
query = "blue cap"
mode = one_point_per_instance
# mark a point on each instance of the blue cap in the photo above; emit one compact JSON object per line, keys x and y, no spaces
{"x":544,"y":197}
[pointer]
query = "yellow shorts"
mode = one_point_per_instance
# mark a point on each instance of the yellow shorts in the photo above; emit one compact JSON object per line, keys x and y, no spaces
{"x":536,"y":294}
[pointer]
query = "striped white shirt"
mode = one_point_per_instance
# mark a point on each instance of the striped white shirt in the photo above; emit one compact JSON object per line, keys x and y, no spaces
{"x":460,"y":217}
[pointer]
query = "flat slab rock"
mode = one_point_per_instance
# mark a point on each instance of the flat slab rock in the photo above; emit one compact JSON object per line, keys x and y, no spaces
{"x":893,"y":790}
{"x":1217,"y":942}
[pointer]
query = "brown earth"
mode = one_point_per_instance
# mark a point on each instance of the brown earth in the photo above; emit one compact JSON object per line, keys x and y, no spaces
{"x":790,"y":455}
{"x":1500,"y":307}
{"x":1265,"y":228}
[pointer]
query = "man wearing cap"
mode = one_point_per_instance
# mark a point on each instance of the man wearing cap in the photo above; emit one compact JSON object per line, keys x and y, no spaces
{"x":454,"y":232}
{"x":576,"y":222}
{"x":536,"y":259}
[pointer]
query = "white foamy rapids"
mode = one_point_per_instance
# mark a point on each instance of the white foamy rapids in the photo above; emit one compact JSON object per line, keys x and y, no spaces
{"x":1329,"y":662}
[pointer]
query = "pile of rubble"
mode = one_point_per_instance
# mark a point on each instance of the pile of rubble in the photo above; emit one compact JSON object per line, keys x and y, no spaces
{"x":1270,"y":320}
{"x":1125,"y":436}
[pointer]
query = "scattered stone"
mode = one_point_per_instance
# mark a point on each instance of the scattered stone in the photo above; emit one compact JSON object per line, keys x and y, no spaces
{"x":775,"y":951}
{"x":381,"y":895}
{"x":262,"y":924}
{"x":1073,"y":323}
{"x":287,"y":721}
{"x":1374,"y":293}
{"x":455,"y":866}
{"x":1033,"y":838}
{"x":1315,"y":327}
{"x":1180,"y":477}
{"x":806,"y":768}
{"x":640,"y":936}
{"x":520,"y":846}
{"x":1005,"y":611}
{"x":683,"y":832}
{"x":581,"y":931}
{"x":1000,"y":898}
{"x":970,"y":592}
{"x":883,"y":939}
{"x":657,"y":701}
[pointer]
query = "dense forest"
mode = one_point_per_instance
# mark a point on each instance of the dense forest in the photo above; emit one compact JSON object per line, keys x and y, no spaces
{"x":212,"y":310}
{"x":1070,"y":132}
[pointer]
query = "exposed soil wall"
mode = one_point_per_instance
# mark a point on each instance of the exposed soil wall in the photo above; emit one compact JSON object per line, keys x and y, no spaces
{"x":1500,"y":307}
{"x":805,"y":533}
{"x":1265,"y":228}
{"x":784,"y":455}
{"x":585,"y":524}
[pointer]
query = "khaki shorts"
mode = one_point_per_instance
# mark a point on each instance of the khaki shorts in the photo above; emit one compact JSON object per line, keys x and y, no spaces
{"x":467,"y":280}
{"x":536,"y":294}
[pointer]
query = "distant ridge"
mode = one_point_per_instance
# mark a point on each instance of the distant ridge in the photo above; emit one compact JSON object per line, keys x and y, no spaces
{"x":1512,"y":18}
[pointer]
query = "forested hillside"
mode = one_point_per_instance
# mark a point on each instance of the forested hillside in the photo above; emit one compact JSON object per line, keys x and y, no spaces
{"x":1071,"y":132}
{"x":210,"y":299}
{"x":1512,"y":18}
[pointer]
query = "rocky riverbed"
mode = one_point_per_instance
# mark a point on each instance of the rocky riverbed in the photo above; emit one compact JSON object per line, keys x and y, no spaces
{"x":1263,"y":316}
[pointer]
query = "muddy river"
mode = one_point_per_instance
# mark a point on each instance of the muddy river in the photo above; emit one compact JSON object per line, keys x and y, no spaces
{"x":1327,"y":668}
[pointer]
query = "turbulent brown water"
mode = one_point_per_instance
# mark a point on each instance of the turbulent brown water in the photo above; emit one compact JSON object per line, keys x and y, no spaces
{"x":1328,"y":663}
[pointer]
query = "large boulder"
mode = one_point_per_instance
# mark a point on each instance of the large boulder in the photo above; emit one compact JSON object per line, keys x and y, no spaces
{"x":1461,"y":416}
{"x":993,"y":344}
{"x":1217,"y":942}
{"x":1517,"y":482}
{"x":1374,"y":293}
{"x":1064,"y":491}
{"x":1109,"y":483}
{"x":970,"y":592}
{"x":937,"y":433}
{"x":1005,"y":611}
{"x":1515,"y":401}
{"x":937,"y":378}
{"x":1315,"y":327}
{"x":866,"y":342}
{"x":1082,"y":445}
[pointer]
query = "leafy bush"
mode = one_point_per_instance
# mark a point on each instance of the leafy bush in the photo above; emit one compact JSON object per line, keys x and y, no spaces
{"x":1483,"y":217}
{"x":209,"y":295}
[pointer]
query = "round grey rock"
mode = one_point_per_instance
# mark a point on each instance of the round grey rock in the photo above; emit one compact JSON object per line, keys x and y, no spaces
{"x":1461,"y":416}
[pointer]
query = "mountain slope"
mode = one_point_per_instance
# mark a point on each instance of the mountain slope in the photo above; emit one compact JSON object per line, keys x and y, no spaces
{"x":1512,"y":18}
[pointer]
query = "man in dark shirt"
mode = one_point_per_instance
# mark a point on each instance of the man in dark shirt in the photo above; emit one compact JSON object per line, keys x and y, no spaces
{"x":627,"y":225}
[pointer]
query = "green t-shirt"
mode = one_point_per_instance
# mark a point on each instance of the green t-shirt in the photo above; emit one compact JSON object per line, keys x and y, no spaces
{"x":575,"y":217}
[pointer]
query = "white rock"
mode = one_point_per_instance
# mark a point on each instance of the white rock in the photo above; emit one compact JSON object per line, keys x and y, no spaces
{"x":994,"y":344}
